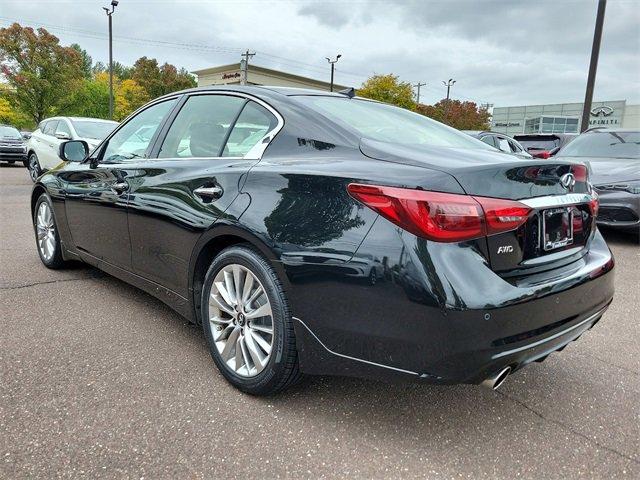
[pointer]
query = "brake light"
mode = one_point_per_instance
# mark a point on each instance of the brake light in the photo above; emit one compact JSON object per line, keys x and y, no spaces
{"x":503,"y":215}
{"x":543,"y":154}
{"x":580,"y":172}
{"x":594,"y":204}
{"x":442,"y":217}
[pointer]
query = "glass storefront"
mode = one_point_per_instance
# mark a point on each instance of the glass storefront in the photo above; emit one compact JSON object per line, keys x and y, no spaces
{"x":551,"y":125}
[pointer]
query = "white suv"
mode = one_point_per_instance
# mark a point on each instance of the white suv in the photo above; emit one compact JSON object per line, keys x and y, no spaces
{"x":43,"y":146}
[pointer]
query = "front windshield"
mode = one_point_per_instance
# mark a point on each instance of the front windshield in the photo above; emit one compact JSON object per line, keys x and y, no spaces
{"x":385,"y":123}
{"x":9,"y":132}
{"x":604,"y":144}
{"x":95,"y":130}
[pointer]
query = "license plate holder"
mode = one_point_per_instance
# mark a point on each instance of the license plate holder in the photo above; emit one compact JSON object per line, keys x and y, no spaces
{"x":557,"y":228}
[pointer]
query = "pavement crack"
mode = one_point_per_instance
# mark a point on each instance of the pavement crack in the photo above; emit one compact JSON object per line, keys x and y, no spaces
{"x":569,"y":429}
{"x":26,"y":285}
{"x":606,"y":362}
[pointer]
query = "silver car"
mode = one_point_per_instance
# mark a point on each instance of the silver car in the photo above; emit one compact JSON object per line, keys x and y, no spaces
{"x":614,"y":159}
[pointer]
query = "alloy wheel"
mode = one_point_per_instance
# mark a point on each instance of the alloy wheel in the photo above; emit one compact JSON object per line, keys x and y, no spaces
{"x":241,"y":320}
{"x":45,"y":231}
{"x":33,"y":168}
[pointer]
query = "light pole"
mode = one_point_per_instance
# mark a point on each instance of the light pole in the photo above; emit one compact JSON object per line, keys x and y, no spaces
{"x":114,"y":4}
{"x":593,"y":66}
{"x":448,"y":84}
{"x":333,"y":64}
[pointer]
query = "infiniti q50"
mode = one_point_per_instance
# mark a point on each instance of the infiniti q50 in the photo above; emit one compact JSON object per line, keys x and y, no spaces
{"x":321,"y":233}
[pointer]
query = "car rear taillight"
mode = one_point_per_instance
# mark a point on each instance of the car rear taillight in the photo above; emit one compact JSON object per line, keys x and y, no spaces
{"x":580,"y":172}
{"x":543,"y":154}
{"x":594,"y":204}
{"x":442,"y":217}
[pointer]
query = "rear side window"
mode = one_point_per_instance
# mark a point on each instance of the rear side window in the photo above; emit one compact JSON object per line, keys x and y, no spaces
{"x":50,"y":127}
{"x":201,"y":127}
{"x":503,"y":144}
{"x":252,"y":125}
{"x":63,"y":128}
{"x":42,"y":125}
{"x":489,"y":140}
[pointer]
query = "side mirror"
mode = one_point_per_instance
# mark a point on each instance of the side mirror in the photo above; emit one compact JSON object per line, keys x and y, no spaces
{"x":63,"y":136}
{"x":73,"y":150}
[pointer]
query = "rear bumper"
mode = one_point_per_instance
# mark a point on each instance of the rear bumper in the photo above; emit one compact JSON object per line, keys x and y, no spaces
{"x":440,"y":315}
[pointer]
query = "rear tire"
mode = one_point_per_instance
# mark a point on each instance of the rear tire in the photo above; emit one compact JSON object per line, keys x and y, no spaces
{"x":33,"y":166}
{"x":247,"y":362}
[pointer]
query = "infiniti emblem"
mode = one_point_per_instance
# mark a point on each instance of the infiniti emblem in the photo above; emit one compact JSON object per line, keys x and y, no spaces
{"x":568,"y":181}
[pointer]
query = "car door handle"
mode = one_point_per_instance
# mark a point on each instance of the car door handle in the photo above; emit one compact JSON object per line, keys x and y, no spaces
{"x":209,"y":193}
{"x":120,"y":187}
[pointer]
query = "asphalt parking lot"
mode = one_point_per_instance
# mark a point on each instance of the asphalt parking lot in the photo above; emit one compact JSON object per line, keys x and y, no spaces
{"x":98,"y":379}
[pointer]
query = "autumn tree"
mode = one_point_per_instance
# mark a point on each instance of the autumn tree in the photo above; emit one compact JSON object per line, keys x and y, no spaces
{"x":388,"y":89}
{"x":460,"y":115}
{"x":39,"y":70}
{"x":160,"y":80}
{"x":129,"y":97}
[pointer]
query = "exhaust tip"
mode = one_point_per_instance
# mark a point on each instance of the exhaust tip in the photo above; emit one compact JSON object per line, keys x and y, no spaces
{"x":493,"y":382}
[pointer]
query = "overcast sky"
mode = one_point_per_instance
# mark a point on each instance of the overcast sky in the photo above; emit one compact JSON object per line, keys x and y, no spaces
{"x":503,"y":52}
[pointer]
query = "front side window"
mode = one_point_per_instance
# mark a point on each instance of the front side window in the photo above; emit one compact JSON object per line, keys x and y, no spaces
{"x":201,"y":127}
{"x":503,"y":144}
{"x":133,"y":139}
{"x":488,"y":139}
{"x":386,"y":123}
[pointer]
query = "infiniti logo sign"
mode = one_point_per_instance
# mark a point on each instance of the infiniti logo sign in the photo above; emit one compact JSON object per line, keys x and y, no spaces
{"x":603,"y":111}
{"x":568,"y":181}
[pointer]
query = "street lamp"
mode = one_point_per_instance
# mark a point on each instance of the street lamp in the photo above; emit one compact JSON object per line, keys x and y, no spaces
{"x":109,"y":12}
{"x":448,"y":84}
{"x":333,"y":63}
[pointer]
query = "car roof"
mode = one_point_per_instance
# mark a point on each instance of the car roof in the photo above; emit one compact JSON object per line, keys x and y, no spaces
{"x":81,"y":119}
{"x":611,"y":130}
{"x":259,"y":91}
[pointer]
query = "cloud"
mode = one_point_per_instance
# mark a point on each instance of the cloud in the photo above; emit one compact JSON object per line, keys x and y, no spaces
{"x":505,"y":53}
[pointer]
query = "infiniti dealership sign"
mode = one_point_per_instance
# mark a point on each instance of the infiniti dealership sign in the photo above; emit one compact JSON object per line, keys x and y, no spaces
{"x":604,"y":115}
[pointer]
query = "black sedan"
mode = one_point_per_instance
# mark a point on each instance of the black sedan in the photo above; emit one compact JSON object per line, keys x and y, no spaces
{"x":614,"y":159}
{"x":319,"y":233}
{"x":12,"y":146}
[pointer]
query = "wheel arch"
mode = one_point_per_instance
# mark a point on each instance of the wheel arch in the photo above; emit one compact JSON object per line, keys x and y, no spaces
{"x":211,"y":243}
{"x":38,"y":190}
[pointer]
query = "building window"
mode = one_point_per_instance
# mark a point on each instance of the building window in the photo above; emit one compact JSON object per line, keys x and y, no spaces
{"x":551,"y":125}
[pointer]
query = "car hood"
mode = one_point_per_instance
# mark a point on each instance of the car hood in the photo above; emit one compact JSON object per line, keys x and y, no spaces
{"x":610,"y":170}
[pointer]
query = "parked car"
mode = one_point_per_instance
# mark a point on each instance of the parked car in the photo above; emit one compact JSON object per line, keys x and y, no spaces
{"x":544,"y":145}
{"x":502,"y":142}
{"x":44,"y":143}
{"x":491,"y":264}
{"x":614,"y":159}
{"x":12,"y":147}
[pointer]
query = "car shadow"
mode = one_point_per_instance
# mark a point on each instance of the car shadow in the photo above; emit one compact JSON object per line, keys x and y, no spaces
{"x":618,"y":237}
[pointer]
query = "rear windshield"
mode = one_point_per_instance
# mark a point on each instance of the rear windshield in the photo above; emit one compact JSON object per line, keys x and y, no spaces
{"x":386,"y":123}
{"x":539,"y":143}
{"x":9,"y":132}
{"x":95,"y":130}
{"x":604,"y":144}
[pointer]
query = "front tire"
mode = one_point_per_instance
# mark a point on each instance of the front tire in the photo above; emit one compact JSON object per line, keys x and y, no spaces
{"x":34,"y":167}
{"x":247,"y":323}
{"x":47,"y":237}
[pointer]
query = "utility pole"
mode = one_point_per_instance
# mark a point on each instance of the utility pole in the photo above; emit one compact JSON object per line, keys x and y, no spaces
{"x":114,"y":4}
{"x":448,"y":84}
{"x":244,"y":67}
{"x":593,"y":65}
{"x":418,"y":85}
{"x":333,"y":64}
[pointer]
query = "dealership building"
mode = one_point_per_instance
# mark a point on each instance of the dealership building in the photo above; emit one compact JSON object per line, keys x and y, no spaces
{"x":563,"y":117}
{"x":231,"y":75}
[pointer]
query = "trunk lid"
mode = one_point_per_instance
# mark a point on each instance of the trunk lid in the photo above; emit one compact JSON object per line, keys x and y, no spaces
{"x":561,"y":219}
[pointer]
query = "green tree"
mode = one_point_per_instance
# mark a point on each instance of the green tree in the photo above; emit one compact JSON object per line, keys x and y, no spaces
{"x":160,"y":80}
{"x":39,"y":70}
{"x":460,"y":115}
{"x":87,"y":61}
{"x":388,"y":89}
{"x":90,"y":99}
